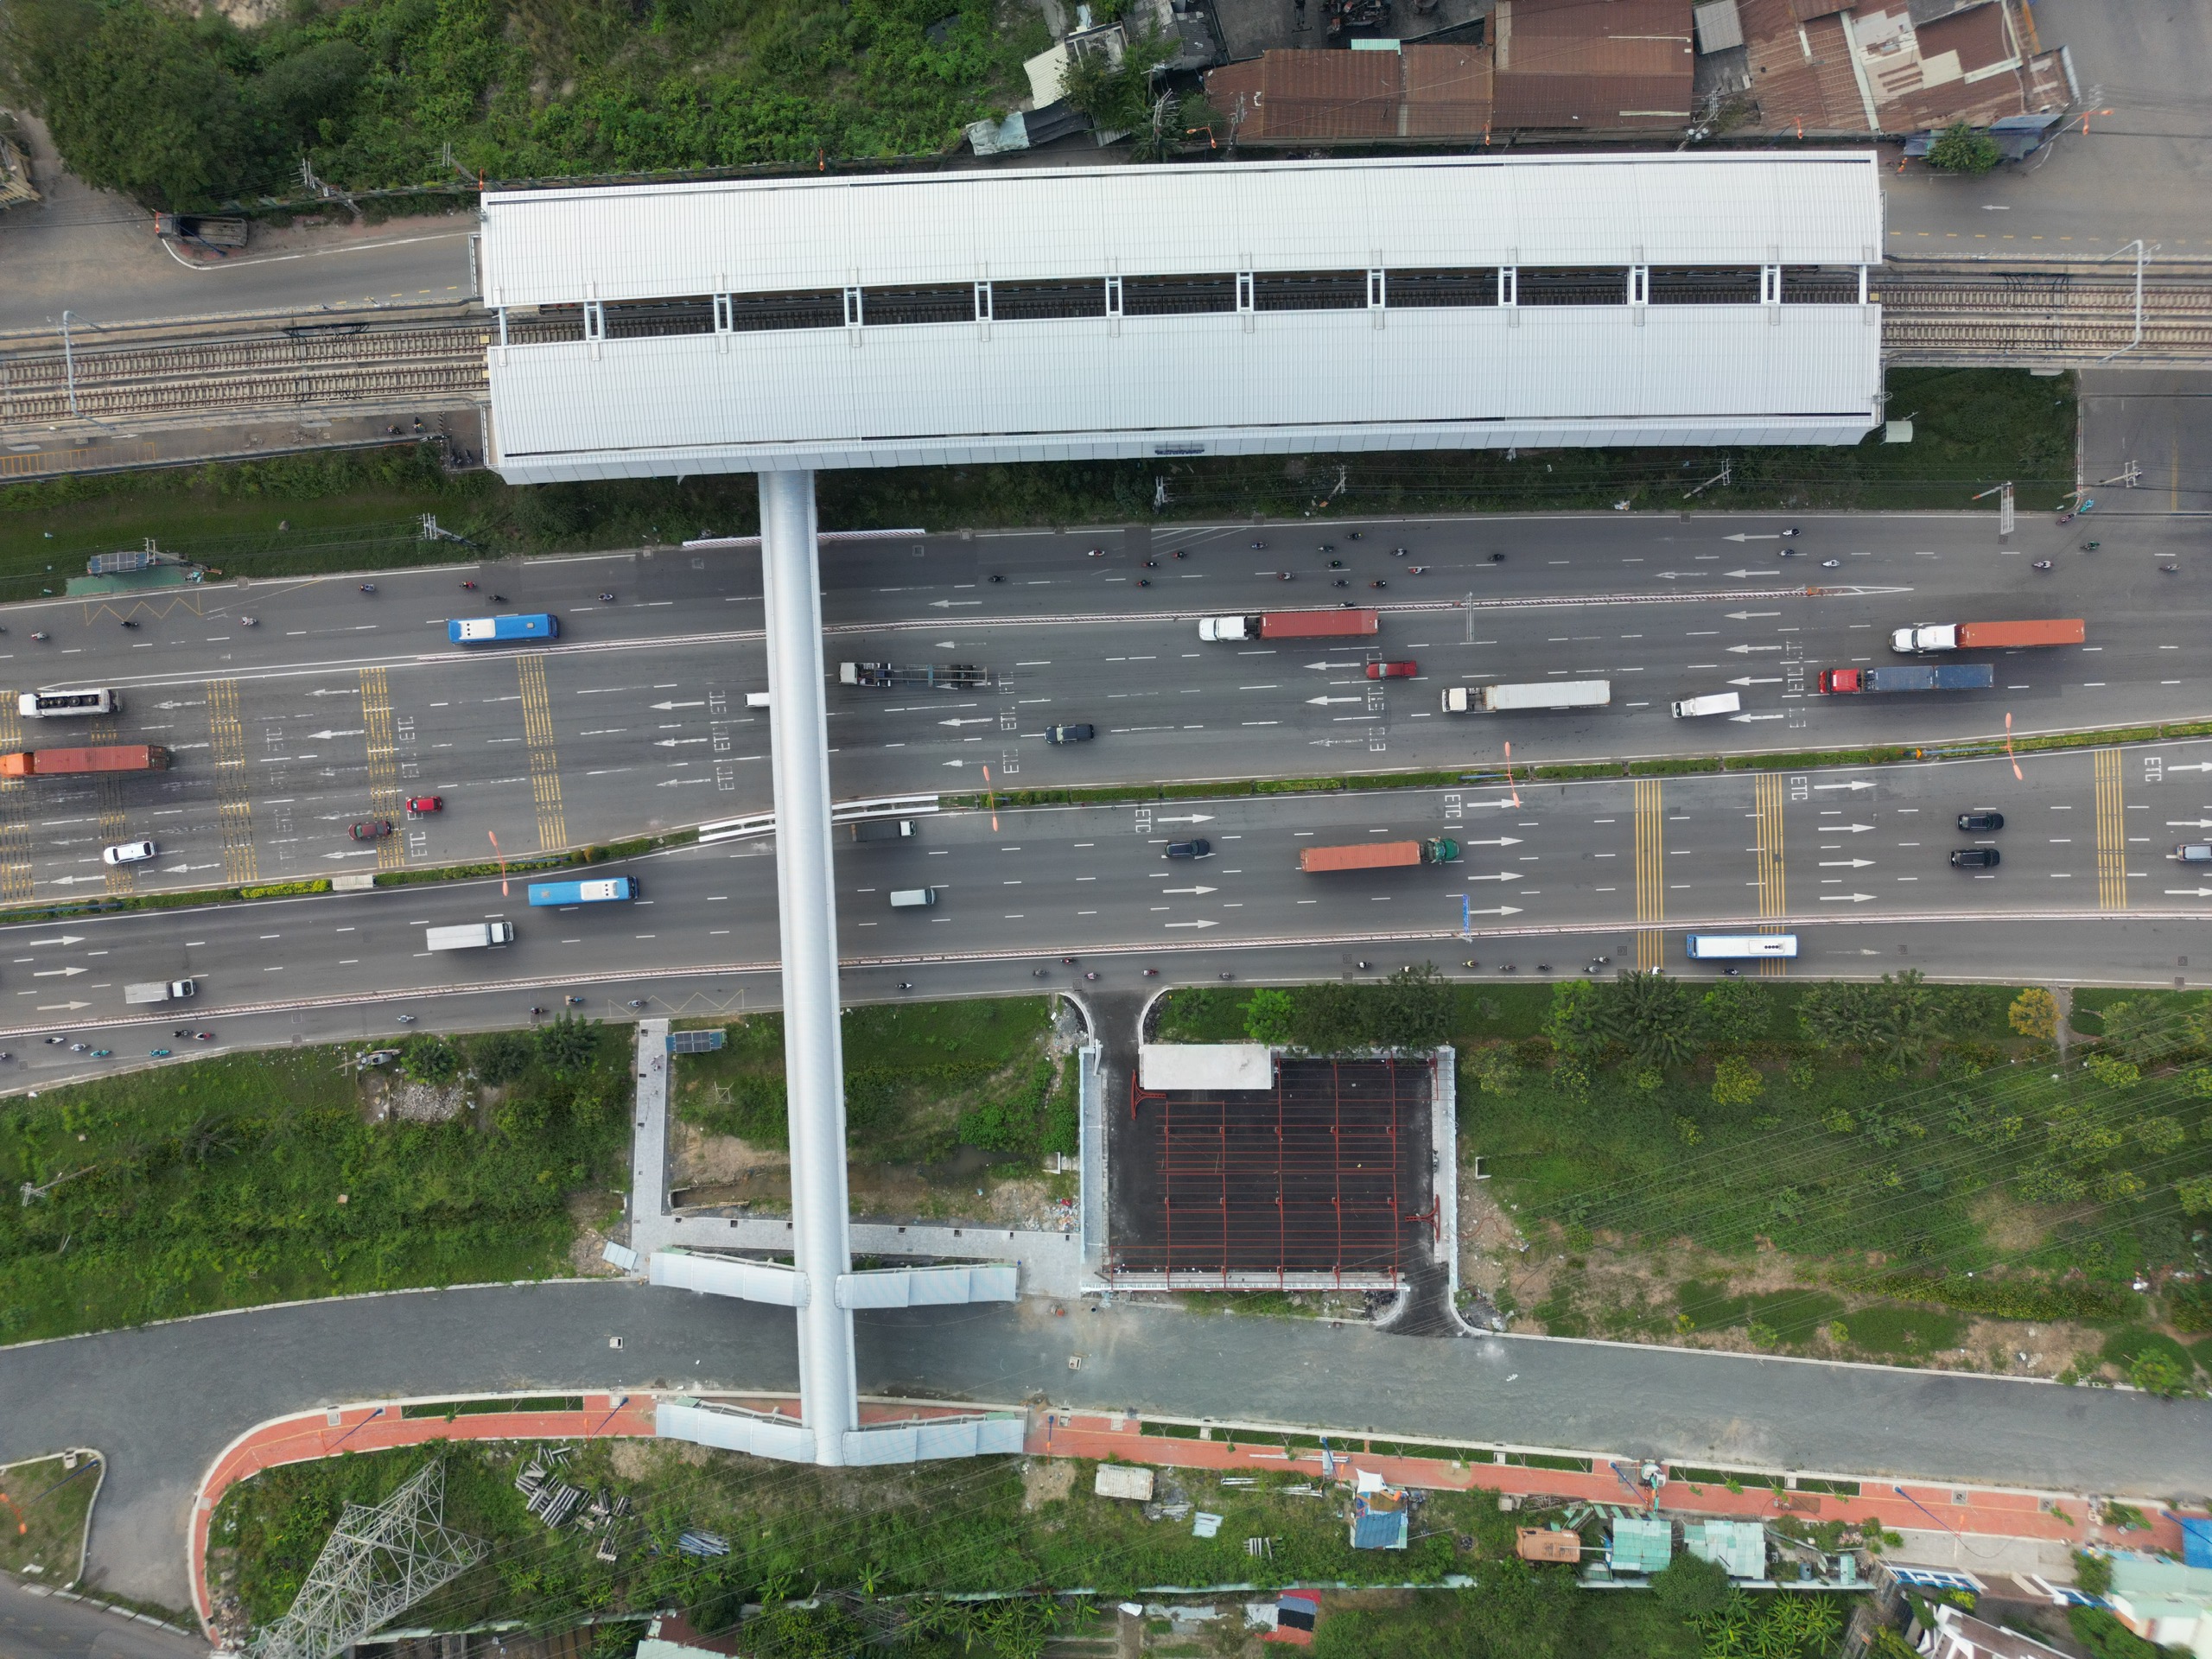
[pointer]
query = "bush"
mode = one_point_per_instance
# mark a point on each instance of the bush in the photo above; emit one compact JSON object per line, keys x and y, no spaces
{"x":1690,"y":1588}
{"x":1267,"y":1018}
{"x":2099,"y":1630}
{"x":569,"y":1044}
{"x":1959,"y":149}
{"x":431,"y":1058}
{"x":501,"y":1056}
{"x":1736,"y":1081}
{"x":1493,"y":1070}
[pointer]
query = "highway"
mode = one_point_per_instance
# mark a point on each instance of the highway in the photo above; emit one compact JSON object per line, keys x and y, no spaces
{"x":337,"y":705}
{"x":1550,"y":877}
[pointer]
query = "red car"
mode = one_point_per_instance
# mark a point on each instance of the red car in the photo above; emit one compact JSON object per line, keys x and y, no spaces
{"x":371,"y":830}
{"x":424,"y":803}
{"x":1392,"y":670}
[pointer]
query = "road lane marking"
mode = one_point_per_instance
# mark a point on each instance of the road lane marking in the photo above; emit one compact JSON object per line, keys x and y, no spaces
{"x":233,"y":797}
{"x":2112,"y":832}
{"x":1651,"y":881}
{"x":14,"y":829}
{"x":1772,"y":871}
{"x":544,"y":763}
{"x":383,"y":766}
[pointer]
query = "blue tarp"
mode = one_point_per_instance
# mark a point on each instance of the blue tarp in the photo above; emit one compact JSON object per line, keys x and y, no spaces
{"x":2196,"y":1542}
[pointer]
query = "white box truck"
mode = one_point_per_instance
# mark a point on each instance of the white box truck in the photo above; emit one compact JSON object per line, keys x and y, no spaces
{"x":470,"y":936}
{"x":1712,"y":702}
{"x":1505,"y":699}
{"x":159,"y":990}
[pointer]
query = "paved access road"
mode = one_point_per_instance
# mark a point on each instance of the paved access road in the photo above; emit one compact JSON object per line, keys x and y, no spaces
{"x":338,"y":705}
{"x":1550,"y":876}
{"x":163,"y":1401}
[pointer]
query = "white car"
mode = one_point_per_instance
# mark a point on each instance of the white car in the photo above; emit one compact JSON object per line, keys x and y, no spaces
{"x":130,"y":852}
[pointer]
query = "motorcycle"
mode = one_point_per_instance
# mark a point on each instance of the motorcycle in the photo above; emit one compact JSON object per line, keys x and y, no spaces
{"x":1259,"y":545}
{"x":1340,"y":583}
{"x":468,"y":587}
{"x":1178,"y":554}
{"x":1400,"y":552}
{"x":2170,"y":569}
{"x":1144,"y":582}
{"x":2042,"y":564}
{"x":1090,"y":973}
{"x":1282,"y":576}
{"x":406,"y":1019}
{"x":1095,"y":553}
{"x":1378,"y":584}
{"x":2091,"y":546}
{"x":1355,"y":536}
{"x":1416,"y":570}
{"x":1792,"y":530}
{"x":1149,"y":972}
{"x":368,"y":586}
{"x":250,"y":621}
{"x":1830,"y":564}
{"x":996,"y":579}
{"x":608,"y":598}
{"x":129,"y":623}
{"x":1497,"y":558}
{"x":905,"y":984}
{"x":41,"y":636}
{"x":575,"y":1002}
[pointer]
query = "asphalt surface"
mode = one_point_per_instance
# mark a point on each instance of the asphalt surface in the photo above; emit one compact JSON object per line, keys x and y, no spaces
{"x":33,"y":1626}
{"x":163,"y":1401}
{"x":1549,"y":877}
{"x":335,"y":706}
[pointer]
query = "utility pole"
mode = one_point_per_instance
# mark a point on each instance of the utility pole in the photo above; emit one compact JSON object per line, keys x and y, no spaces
{"x":1719,"y":478}
{"x":69,"y":364}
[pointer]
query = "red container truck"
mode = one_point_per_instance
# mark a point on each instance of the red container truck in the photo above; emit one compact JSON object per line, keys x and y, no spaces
{"x":1348,"y":623}
{"x":69,"y":763}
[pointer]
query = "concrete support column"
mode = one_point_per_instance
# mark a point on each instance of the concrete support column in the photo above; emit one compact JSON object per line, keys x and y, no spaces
{"x":814,"y":1065}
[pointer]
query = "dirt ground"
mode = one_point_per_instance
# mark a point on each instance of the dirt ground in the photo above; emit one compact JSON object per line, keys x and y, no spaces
{"x":386,"y":1096}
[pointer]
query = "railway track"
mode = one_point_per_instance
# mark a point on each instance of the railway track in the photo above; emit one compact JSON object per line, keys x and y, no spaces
{"x":318,"y":363}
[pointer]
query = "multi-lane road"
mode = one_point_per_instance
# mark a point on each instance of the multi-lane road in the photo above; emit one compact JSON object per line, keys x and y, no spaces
{"x":336,"y":705}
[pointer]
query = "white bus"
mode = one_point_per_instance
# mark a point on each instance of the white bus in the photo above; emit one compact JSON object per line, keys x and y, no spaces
{"x":44,"y":705}
{"x":1704,"y":945}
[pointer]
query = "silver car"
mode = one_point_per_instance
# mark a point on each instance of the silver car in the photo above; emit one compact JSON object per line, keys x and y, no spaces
{"x":2194,"y":852}
{"x":130,"y":852}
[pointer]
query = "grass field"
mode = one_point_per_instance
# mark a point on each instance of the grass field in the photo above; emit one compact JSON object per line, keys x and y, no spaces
{"x":878,"y":1547}
{"x":357,"y":510}
{"x":921,"y":1079}
{"x":1772,"y":1185}
{"x":45,"y":1508}
{"x":261,"y":1177}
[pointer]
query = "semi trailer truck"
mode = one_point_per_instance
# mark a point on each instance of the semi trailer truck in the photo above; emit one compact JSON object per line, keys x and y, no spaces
{"x":469,"y":936}
{"x":72,"y":762}
{"x":1351,"y":622}
{"x":1985,"y":636}
{"x":1380,"y":854}
{"x":1506,"y":699}
{"x":1908,"y":676}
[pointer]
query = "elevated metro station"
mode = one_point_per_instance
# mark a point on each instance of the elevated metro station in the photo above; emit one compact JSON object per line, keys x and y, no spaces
{"x":780,"y":326}
{"x":1278,"y":307}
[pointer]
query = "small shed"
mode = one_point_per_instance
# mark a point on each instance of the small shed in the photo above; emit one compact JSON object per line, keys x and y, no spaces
{"x":1641,"y":1546}
{"x":1124,"y":1480}
{"x":1547,"y":1544}
{"x":1739,"y":1547}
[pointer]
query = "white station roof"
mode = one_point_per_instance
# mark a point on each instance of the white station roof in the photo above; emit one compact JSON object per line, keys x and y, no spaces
{"x":1229,"y":381}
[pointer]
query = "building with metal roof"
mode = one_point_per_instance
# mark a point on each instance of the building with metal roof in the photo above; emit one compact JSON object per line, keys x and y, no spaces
{"x":1739,"y":1547}
{"x":1639,"y":1545}
{"x":1054,"y":314}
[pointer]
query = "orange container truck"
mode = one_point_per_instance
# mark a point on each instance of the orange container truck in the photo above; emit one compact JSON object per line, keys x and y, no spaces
{"x":1380,"y":854}
{"x":70,"y":763}
{"x":1987,"y":636}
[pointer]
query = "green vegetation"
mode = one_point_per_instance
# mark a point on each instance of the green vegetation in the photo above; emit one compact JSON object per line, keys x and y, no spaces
{"x":188,"y":111}
{"x":252,"y":1179}
{"x":358,"y":509}
{"x":856,"y":1538}
{"x":1959,"y":149}
{"x":45,"y":1508}
{"x":1909,"y":1158}
{"x":921,"y":1079}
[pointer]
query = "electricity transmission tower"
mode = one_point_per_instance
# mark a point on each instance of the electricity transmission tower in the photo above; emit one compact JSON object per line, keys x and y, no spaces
{"x":379,"y":1563}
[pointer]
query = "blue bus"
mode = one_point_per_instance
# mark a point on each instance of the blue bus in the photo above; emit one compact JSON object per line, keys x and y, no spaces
{"x":606,"y":890}
{"x":483,"y":629}
{"x":1724,"y":946}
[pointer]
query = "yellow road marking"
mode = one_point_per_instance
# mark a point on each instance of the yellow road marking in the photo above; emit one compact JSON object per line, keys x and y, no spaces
{"x":2112,"y":833}
{"x":545,"y":764}
{"x":1650,"y":877}
{"x":15,"y":828}
{"x":233,"y":787}
{"x":384,"y":801}
{"x":1773,"y":876}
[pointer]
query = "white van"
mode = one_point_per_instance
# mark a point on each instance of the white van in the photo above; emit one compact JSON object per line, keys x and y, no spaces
{"x":912,"y":898}
{"x":756,"y":699}
{"x":1713,"y":703}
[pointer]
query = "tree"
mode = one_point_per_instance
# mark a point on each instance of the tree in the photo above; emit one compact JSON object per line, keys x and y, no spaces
{"x":1690,"y":1588}
{"x":138,"y":100}
{"x":1115,"y":92}
{"x":2156,"y":1371}
{"x":431,"y":1058}
{"x":1654,"y":1017}
{"x":1268,"y":1017}
{"x":1736,"y":1011}
{"x":2034,"y":1014}
{"x":2195,"y":1194}
{"x":1412,"y":1010}
{"x":1959,"y":149}
{"x":500,"y":1056}
{"x":2142,"y":1032}
{"x":1494,"y":1073}
{"x":569,"y":1044}
{"x":1577,"y":1025}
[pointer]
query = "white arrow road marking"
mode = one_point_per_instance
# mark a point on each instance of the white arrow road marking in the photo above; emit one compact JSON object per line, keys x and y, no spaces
{"x":956,"y":763}
{"x":61,"y":1008}
{"x":678,"y":783}
{"x":1336,"y":664}
{"x":1504,"y":875}
{"x":1741,"y":649}
{"x":1745,"y":720}
{"x":980,"y":719}
{"x":1771,"y":575}
{"x":327,"y":692}
{"x":1190,"y":889}
{"x":366,"y":852}
{"x":1320,"y":702}
{"x":665,"y":706}
{"x":2188,"y":824}
{"x":1749,"y":535}
{"x":1856,"y":783}
{"x":1747,"y":680}
{"x":1694,"y":575}
{"x":1194,"y":923}
{"x":1745,"y":616}
{"x":1845,"y":829}
{"x":59,"y":973}
{"x":186,"y":869}
{"x":1502,"y":910}
{"x":948,"y":604}
{"x":1845,"y":863}
{"x":1501,"y":841}
{"x":177,"y":705}
{"x":1845,"y":898}
{"x":351,"y":732}
{"x":71,"y":881}
{"x":2193,"y":765}
{"x":2189,"y":893}
{"x":67,"y":938}
{"x":671,"y":742}
{"x":1195,"y":817}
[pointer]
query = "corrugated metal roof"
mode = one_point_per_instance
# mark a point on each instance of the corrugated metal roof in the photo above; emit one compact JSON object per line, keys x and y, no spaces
{"x":1977,"y":34}
{"x":1718,"y":26}
{"x":1592,"y":101}
{"x":1593,"y":64}
{"x":1739,"y":1547}
{"x":1641,"y":1546}
{"x":1331,"y":94}
{"x":553,"y":247}
{"x":1271,"y":383}
{"x":1448,"y":90}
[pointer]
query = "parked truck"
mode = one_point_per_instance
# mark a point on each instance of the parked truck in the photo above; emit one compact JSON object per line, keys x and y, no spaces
{"x":1908,"y":676}
{"x":469,"y":936}
{"x":1380,"y":854}
{"x":1505,"y":699}
{"x":1346,"y":623}
{"x":881,"y":829}
{"x":64,"y":763}
{"x":1985,"y":636}
{"x":959,"y":677}
{"x":159,"y":990}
